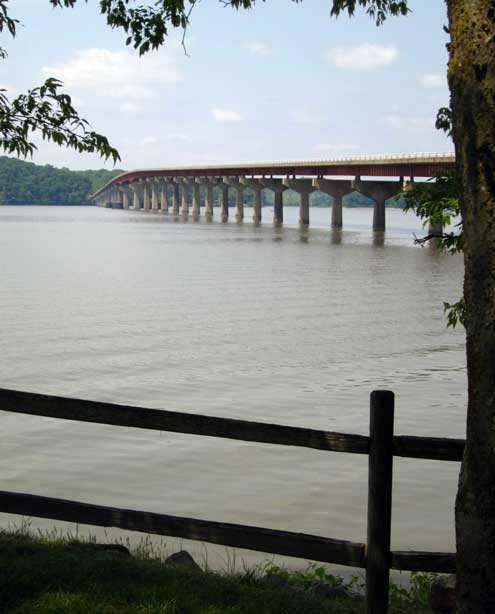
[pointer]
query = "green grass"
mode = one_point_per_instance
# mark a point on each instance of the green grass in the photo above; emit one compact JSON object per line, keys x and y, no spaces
{"x":40,"y":575}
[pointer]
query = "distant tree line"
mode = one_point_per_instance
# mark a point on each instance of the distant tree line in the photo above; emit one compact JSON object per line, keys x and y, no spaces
{"x":26,"y":183}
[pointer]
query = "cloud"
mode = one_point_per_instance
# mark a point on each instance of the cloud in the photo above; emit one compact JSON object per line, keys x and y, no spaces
{"x":226,"y":115}
{"x":121,"y":74}
{"x":259,"y":48}
{"x":363,"y":57}
{"x":434,"y":81}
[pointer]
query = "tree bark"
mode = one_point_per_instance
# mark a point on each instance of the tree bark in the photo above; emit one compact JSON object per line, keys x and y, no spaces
{"x":472,"y":87}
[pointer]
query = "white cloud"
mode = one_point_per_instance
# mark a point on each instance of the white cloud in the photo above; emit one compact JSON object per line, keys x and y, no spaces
{"x":121,"y":74}
{"x":431,"y":80}
{"x":363,"y":57}
{"x":225,"y":115}
{"x":336,"y":146}
{"x":259,"y":48}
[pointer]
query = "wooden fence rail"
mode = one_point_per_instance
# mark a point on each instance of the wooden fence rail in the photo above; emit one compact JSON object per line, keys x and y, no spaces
{"x":381,"y":446}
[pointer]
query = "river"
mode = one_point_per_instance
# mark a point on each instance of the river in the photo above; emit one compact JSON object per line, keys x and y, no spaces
{"x":260,"y":323}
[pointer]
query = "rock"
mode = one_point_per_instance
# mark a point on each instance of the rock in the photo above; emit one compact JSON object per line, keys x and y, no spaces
{"x":441,"y":597}
{"x":183,"y":559}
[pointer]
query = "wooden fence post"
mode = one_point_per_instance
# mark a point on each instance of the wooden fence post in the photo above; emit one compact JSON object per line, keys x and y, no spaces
{"x":379,"y":501}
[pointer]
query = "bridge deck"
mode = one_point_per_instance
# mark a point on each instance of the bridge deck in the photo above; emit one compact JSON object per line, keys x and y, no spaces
{"x":404,"y":165}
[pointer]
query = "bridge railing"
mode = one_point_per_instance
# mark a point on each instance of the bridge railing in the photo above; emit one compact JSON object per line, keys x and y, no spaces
{"x":380,"y":446}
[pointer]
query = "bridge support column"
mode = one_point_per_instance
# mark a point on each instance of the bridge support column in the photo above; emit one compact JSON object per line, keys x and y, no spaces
{"x":278,"y":189}
{"x":278,"y":207}
{"x":196,"y":209}
{"x":239,"y":204}
{"x":233,"y":182}
{"x":164,"y":196}
{"x":136,"y":205}
{"x":224,"y":203}
{"x":125,"y":197}
{"x":379,"y":214}
{"x":146,"y":197}
{"x":184,"y":209}
{"x":435,"y":230}
{"x":154,"y":194}
{"x":337,"y":211}
{"x":208,"y":186}
{"x":175,"y":197}
{"x":257,"y":209}
{"x":256,"y":185}
{"x":337,"y":189}
{"x":379,"y":191}
{"x":304,"y":187}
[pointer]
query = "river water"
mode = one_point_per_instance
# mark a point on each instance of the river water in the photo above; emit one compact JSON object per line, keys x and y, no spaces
{"x":260,"y":323}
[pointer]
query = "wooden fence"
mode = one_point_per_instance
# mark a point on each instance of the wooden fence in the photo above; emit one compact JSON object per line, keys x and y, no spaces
{"x":381,"y":446}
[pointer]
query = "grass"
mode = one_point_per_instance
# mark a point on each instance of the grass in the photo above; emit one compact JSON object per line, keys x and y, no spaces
{"x":54,"y":575}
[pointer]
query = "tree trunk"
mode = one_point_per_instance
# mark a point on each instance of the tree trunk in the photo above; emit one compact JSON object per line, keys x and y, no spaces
{"x":472,"y":87}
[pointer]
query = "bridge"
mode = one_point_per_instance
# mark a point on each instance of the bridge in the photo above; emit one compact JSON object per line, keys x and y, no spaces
{"x":178,"y":190}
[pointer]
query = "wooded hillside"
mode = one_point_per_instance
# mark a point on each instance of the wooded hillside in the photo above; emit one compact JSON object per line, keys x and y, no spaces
{"x":26,"y":183}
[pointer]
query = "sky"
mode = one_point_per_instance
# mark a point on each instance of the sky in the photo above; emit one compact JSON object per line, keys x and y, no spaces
{"x":283,"y":81}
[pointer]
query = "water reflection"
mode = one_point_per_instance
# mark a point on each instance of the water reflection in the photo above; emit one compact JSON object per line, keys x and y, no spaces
{"x":336,"y":236}
{"x":378,"y":238}
{"x":303,"y":234}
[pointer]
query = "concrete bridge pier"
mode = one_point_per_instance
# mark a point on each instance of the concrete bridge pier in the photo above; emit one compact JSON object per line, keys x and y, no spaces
{"x":233,"y":182}
{"x":114,"y":198}
{"x":435,"y":229}
{"x":224,"y":202}
{"x":125,"y":196}
{"x":196,"y":209}
{"x":134,"y":185}
{"x":278,"y":188}
{"x":337,"y":189}
{"x":175,"y":197}
{"x":256,"y":185}
{"x":379,"y":191}
{"x":152,"y":184}
{"x":184,"y":208}
{"x":207,"y":183}
{"x":239,"y":203}
{"x":304,"y":187}
{"x":164,"y":196}
{"x":146,"y":197}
